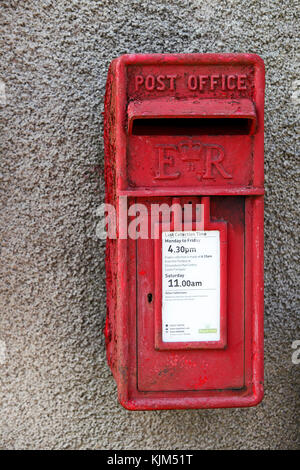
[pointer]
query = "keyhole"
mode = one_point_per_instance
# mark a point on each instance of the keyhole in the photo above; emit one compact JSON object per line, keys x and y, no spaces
{"x":149,"y":296}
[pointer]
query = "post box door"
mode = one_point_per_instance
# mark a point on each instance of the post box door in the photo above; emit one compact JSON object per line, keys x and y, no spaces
{"x":182,"y":368}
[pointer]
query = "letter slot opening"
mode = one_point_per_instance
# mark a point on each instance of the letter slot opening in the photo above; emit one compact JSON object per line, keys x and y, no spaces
{"x":192,"y":126}
{"x":197,"y":117}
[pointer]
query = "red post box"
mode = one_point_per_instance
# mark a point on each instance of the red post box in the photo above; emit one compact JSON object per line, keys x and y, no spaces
{"x":184,"y":142}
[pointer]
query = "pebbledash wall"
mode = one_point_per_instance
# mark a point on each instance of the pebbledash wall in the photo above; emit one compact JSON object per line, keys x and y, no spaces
{"x":56,"y":389}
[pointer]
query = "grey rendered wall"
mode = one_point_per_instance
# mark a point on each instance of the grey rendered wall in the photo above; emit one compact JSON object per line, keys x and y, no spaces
{"x":56,"y":389}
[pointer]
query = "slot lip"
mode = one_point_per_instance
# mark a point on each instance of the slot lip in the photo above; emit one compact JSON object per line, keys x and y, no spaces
{"x":170,"y":108}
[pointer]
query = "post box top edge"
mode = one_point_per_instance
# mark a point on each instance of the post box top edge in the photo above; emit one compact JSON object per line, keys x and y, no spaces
{"x":190,"y":59}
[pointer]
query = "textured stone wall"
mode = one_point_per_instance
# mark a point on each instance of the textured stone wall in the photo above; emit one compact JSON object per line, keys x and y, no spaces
{"x":56,"y":390}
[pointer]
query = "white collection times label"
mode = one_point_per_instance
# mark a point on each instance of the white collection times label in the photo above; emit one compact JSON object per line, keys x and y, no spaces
{"x":191,"y":286}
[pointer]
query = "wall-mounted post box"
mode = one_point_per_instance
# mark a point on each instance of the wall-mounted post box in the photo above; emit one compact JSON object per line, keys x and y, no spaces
{"x":184,"y":174}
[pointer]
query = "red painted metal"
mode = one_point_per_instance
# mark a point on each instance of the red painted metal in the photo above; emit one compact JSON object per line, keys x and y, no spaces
{"x":188,"y":127}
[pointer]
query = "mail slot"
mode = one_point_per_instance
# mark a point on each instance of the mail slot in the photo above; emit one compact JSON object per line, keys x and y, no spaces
{"x":183,"y":137}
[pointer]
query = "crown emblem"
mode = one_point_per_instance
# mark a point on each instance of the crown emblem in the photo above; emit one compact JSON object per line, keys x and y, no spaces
{"x":190,"y":151}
